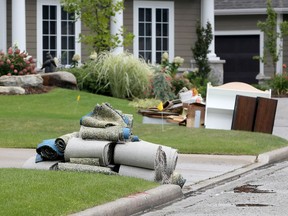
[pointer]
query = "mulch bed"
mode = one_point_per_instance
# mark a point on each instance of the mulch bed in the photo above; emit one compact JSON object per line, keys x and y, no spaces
{"x":38,"y":90}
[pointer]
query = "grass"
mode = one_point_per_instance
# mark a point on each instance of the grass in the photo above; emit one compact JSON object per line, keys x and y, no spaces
{"x":31,"y":192}
{"x":28,"y":119}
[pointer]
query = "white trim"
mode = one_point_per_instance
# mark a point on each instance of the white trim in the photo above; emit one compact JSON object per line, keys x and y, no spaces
{"x":248,"y":32}
{"x":19,"y":24}
{"x":3,"y":26}
{"x":39,"y":30}
{"x":154,"y":4}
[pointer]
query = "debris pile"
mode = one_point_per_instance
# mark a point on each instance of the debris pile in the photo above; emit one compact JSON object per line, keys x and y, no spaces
{"x":187,"y":110}
{"x":105,"y":144}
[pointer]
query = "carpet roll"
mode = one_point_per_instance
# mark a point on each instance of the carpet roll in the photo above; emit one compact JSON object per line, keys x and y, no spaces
{"x":138,"y":154}
{"x":79,"y":148}
{"x":62,"y":141}
{"x":104,"y":116}
{"x":86,"y":161}
{"x":48,"y":150}
{"x":113,"y":133}
{"x":85,"y":168}
{"x":137,"y":172}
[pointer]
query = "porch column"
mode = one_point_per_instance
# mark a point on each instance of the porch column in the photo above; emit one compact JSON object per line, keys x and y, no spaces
{"x":116,"y":28}
{"x":3,"y":25}
{"x":19,"y":24}
{"x":207,"y":15}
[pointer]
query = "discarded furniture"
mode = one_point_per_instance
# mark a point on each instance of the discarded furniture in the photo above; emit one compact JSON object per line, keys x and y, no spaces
{"x":220,"y":102}
{"x":254,"y":114}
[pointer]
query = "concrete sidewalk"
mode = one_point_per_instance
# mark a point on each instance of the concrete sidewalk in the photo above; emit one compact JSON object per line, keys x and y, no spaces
{"x":200,"y":171}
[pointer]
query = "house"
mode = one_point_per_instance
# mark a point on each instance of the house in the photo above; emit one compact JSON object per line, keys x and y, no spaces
{"x":238,"y":38}
{"x":41,"y":26}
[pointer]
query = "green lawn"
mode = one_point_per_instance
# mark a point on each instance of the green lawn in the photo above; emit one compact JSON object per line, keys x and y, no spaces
{"x":28,"y":119}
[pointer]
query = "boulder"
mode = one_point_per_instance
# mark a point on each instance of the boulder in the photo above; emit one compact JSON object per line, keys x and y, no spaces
{"x":61,"y":79}
{"x":11,"y":90}
{"x":34,"y":80}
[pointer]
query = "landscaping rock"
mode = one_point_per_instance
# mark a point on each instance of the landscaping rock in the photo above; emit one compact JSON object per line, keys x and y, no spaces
{"x":22,"y":81}
{"x":61,"y":79}
{"x":11,"y":90}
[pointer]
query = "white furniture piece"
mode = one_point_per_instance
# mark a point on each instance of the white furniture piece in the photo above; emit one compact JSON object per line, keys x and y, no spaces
{"x":220,"y":102}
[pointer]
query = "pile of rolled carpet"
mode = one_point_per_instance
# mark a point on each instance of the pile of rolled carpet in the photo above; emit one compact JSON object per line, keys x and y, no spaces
{"x":105,"y":144}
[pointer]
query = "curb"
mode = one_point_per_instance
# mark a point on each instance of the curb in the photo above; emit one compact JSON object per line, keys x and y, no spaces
{"x":260,"y":161}
{"x":137,"y":203}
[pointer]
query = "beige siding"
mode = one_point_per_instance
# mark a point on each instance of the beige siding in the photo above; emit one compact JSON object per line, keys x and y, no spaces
{"x":31,"y":31}
{"x":237,"y":23}
{"x":187,"y":12}
{"x":128,"y":20}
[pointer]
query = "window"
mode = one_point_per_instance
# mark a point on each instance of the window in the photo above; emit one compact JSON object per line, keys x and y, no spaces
{"x":153,"y":30}
{"x":56,"y":33}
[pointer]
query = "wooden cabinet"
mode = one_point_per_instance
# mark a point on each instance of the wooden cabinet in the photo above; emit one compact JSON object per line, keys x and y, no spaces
{"x":220,"y":102}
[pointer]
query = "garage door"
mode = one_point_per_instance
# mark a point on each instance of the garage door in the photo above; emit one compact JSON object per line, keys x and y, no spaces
{"x":238,"y":51}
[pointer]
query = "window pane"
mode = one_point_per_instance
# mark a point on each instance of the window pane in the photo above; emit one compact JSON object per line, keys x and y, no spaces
{"x":141,"y":43}
{"x":141,"y":54}
{"x":148,"y":29}
{"x":158,"y":57}
{"x":45,"y":10}
{"x":45,"y":27}
{"x":71,"y":53}
{"x":165,"y":44}
{"x":158,"y":15}
{"x":71,"y":43}
{"x":52,"y":27}
{"x":158,"y":30}
{"x":165,"y":16}
{"x":165,"y":29}
{"x":148,"y":44}
{"x":53,"y":12}
{"x":148,"y":57}
{"x":64,"y":15}
{"x":45,"y":42}
{"x":64,"y":58}
{"x":71,"y":28}
{"x":53,"y":53}
{"x":53,"y":42}
{"x":64,"y":42}
{"x":64,"y":28}
{"x":141,"y":29}
{"x":158,"y":44}
{"x":71,"y":16}
{"x":141,"y":14}
{"x":148,"y":17}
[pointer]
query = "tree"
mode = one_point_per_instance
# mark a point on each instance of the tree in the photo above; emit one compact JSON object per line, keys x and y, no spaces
{"x":201,"y":50}
{"x":269,"y":28}
{"x":96,"y":16}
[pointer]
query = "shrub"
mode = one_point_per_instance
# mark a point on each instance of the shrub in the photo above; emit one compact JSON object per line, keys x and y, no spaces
{"x":279,"y":84}
{"x":121,"y":75}
{"x":16,"y":63}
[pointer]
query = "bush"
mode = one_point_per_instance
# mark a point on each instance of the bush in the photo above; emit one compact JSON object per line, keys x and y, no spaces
{"x":121,"y":76}
{"x":279,"y":84}
{"x":16,"y":63}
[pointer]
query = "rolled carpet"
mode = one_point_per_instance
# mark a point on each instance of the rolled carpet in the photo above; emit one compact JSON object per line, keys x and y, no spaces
{"x":113,"y":133}
{"x":171,"y":158}
{"x":138,"y":154}
{"x":137,"y":172}
{"x":48,"y":150}
{"x":62,"y":141}
{"x":105,"y":116}
{"x":86,"y":161}
{"x":79,"y":148}
{"x":85,"y":168}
